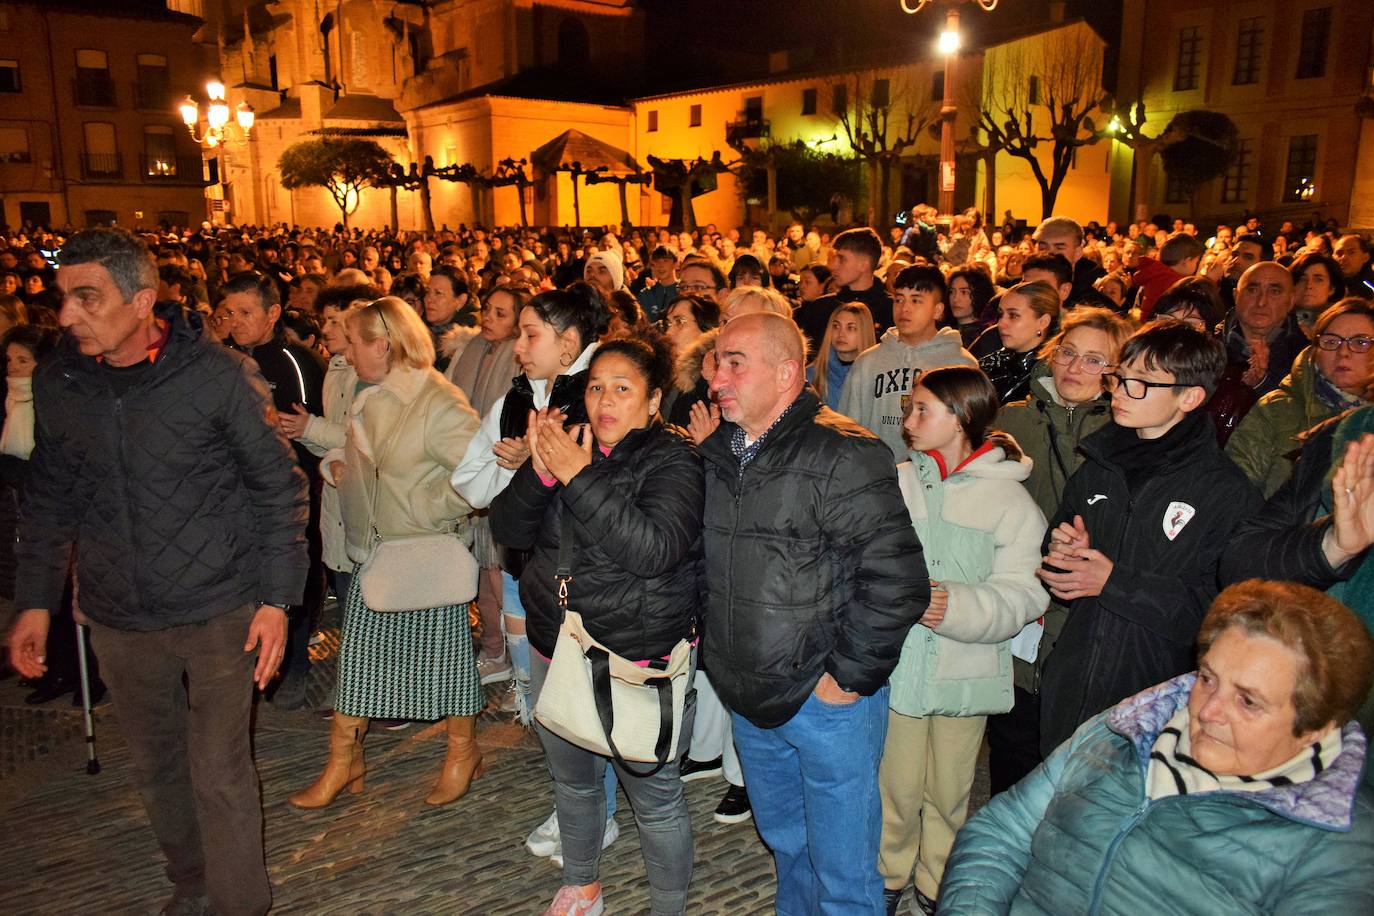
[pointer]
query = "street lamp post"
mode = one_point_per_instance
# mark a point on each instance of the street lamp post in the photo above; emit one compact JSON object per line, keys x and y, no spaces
{"x":948,"y":47}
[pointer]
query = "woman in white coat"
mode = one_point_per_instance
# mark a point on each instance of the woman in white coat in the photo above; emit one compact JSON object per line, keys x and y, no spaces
{"x":981,"y":535}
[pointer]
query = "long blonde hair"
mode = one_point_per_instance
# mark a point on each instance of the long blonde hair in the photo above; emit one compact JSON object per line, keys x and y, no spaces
{"x":821,"y":367}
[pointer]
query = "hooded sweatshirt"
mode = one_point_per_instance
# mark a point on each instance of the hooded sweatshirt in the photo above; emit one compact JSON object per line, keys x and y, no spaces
{"x":886,"y":372}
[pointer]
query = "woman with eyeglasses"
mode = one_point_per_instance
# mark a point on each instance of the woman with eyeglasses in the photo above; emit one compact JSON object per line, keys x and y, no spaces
{"x":687,"y":325}
{"x":1063,"y":408}
{"x":1328,"y":377}
{"x":1026,"y":316}
{"x":405,"y":434}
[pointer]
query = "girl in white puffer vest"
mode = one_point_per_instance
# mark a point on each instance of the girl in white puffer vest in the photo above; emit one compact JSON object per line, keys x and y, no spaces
{"x":981,"y":534}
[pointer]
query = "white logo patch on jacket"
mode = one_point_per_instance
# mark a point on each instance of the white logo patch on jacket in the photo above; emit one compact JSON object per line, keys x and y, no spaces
{"x":1176,"y":517}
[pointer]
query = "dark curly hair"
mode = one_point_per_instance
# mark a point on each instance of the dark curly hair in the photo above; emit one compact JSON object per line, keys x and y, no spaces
{"x":651,"y":354}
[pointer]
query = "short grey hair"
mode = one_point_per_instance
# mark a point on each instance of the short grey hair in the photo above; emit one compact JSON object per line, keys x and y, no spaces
{"x":124,"y":255}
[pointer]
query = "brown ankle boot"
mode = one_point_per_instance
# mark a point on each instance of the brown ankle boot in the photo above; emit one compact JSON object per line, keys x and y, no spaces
{"x":462,"y":763}
{"x":345,"y":766}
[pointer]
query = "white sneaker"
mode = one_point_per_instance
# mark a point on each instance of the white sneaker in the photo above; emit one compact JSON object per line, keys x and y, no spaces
{"x":543,"y":840}
{"x":610,"y":836}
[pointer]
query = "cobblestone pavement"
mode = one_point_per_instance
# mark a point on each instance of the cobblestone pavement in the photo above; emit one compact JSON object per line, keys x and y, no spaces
{"x":80,"y":844}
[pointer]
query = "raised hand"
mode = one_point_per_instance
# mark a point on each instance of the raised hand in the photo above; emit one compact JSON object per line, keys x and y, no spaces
{"x":561,"y":453}
{"x":1352,"y":502}
{"x":703,"y":421}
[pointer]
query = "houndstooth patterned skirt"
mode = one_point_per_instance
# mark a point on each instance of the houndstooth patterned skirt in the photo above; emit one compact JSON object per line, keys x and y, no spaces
{"x":415,"y":665}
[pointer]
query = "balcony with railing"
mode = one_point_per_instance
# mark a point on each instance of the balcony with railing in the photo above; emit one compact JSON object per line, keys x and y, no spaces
{"x":748,"y":125}
{"x":161,"y":168}
{"x":94,"y":88}
{"x":153,"y":95}
{"x":102,"y":165}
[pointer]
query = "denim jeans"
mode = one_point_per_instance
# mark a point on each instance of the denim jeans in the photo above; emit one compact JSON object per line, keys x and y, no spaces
{"x":190,"y":752}
{"x":813,"y":784}
{"x":660,"y":810}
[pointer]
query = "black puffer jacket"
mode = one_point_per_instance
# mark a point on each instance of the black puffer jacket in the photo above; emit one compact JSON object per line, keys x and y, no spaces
{"x":1165,"y":541}
{"x":812,"y":564}
{"x":637,"y":521}
{"x":1010,"y":372}
{"x":1283,"y":540}
{"x":182,"y":496}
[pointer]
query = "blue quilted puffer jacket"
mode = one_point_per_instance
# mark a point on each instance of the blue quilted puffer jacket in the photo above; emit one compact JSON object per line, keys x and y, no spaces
{"x":1078,"y":835}
{"x":182,"y":496}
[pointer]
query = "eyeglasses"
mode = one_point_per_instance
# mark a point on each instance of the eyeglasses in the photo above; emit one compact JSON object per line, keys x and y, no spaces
{"x":696,"y":288}
{"x":1360,"y":343}
{"x":1136,"y":388}
{"x":1093,"y":365}
{"x":678,"y":322}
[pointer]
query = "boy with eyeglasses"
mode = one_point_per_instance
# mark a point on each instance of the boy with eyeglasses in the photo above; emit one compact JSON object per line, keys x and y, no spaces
{"x":1134,"y":547}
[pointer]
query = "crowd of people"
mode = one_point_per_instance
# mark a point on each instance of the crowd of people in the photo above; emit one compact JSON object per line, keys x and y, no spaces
{"x":1098,"y":497}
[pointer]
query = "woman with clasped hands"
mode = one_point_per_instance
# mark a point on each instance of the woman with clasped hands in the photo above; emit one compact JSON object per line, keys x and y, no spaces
{"x":405,"y":434}
{"x":635,"y":492}
{"x":1233,"y":789}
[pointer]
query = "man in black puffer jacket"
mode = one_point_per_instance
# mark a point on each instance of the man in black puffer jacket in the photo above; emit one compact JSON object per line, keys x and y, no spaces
{"x":813,"y":577}
{"x":160,"y":463}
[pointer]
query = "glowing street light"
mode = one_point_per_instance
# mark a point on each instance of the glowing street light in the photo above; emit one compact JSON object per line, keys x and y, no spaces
{"x":948,"y":43}
{"x":218,"y":130}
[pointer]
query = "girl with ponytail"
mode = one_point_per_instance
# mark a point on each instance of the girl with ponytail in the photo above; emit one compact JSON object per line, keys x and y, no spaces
{"x":981,"y":534}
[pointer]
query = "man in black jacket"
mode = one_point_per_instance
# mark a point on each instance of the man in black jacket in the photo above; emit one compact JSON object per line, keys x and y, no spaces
{"x":1134,"y":549}
{"x":813,"y":577}
{"x":295,"y":375}
{"x":159,"y":462}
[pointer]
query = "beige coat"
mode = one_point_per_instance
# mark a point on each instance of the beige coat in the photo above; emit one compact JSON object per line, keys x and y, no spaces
{"x":418,"y":451}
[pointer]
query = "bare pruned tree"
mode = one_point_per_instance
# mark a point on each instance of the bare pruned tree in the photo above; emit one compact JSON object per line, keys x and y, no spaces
{"x":1044,"y":94}
{"x":883,"y":117}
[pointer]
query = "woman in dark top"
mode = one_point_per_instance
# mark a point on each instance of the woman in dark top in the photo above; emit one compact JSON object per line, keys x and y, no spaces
{"x":1027,"y":314}
{"x":629,"y":491}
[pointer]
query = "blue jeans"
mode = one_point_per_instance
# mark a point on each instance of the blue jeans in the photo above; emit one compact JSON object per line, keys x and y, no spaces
{"x":813,"y":784}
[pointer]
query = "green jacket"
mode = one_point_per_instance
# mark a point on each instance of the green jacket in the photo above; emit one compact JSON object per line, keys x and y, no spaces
{"x":1265,"y":442}
{"x":1049,"y":434}
{"x":981,"y":536}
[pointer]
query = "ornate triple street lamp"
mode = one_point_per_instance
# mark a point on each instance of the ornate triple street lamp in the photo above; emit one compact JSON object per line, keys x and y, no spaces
{"x":948,"y":46}
{"x":218,"y":130}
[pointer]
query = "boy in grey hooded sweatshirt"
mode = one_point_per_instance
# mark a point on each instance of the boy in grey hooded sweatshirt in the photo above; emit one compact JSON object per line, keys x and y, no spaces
{"x":884,"y":375}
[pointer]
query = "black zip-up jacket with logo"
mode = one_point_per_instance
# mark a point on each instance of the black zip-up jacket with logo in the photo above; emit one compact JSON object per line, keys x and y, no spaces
{"x":812,"y":563}
{"x":1141,"y":629}
{"x":181,"y":495}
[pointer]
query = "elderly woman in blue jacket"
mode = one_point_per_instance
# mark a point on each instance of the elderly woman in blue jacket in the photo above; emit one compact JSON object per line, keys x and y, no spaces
{"x":1233,"y":789}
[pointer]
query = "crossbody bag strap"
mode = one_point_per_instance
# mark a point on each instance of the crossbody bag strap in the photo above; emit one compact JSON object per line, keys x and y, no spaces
{"x":567,"y":549}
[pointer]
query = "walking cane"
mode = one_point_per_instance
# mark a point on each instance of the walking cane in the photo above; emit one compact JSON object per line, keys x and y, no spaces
{"x":88,"y":721}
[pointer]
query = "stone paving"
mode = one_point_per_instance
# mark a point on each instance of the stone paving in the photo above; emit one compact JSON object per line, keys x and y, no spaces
{"x":81,"y":844}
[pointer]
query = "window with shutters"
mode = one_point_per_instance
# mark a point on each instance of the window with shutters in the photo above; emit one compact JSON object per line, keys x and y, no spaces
{"x":14,"y":144}
{"x":1316,"y":34}
{"x":808,"y":101}
{"x":93,"y":83}
{"x":9,"y":76}
{"x":1235,"y":184}
{"x":1249,"y":52}
{"x":154,"y":82}
{"x":1300,"y":177}
{"x":694,"y":116}
{"x":1189,"y":64}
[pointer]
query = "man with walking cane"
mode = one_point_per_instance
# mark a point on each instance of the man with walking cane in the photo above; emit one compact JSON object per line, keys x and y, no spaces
{"x":158,"y":457}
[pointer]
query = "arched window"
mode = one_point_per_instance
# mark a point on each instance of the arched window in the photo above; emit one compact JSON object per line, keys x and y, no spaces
{"x":574,"y":45}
